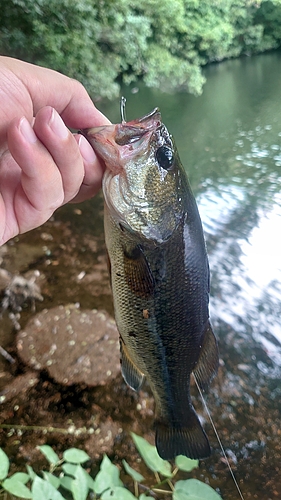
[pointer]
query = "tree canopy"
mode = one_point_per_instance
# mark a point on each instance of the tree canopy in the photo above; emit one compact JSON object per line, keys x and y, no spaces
{"x":164,"y":42}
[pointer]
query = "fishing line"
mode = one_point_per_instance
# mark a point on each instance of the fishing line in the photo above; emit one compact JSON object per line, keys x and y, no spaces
{"x":218,"y":438}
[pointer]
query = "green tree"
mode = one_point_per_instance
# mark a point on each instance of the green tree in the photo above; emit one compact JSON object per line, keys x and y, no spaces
{"x":106,"y":42}
{"x":269,"y":15}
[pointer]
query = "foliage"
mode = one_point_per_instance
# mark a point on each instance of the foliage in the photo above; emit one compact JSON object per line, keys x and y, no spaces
{"x":66,"y":476}
{"x":164,"y":42}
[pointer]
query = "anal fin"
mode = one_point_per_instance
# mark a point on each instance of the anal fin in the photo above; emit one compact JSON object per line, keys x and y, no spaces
{"x":208,"y":362}
{"x":131,"y":373}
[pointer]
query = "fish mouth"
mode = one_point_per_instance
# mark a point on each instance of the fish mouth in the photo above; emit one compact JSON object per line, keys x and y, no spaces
{"x":128,"y":132}
{"x":116,"y":144}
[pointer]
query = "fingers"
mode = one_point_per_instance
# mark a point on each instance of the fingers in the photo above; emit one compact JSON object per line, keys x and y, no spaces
{"x":41,"y":182}
{"x":66,"y":95}
{"x":62,"y":148}
{"x":80,"y":109}
{"x":78,"y":166}
{"x":55,"y":167}
{"x":43,"y":165}
{"x":93,"y":171}
{"x":76,"y":160}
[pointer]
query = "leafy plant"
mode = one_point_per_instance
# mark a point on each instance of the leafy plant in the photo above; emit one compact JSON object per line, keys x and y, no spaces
{"x":67,"y":476}
{"x":164,"y":43}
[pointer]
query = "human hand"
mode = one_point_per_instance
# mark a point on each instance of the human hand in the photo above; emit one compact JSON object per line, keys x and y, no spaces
{"x":42,"y":164}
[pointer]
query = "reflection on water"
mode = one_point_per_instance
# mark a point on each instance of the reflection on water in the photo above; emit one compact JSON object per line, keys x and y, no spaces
{"x":242,"y":217}
{"x":229,"y":141}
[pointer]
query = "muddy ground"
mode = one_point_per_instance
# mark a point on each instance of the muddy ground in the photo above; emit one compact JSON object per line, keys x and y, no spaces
{"x":66,"y":258}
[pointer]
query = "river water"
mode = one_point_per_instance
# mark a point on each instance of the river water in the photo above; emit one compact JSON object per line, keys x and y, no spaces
{"x":229,"y":141}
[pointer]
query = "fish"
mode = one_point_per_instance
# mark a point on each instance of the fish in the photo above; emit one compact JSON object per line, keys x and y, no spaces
{"x":159,"y":276}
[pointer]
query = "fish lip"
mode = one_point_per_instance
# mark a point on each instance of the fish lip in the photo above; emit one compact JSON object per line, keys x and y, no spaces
{"x":129,"y":132}
{"x":154,"y":114}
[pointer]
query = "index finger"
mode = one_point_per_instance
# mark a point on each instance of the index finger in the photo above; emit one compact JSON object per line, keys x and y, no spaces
{"x":50,"y":88}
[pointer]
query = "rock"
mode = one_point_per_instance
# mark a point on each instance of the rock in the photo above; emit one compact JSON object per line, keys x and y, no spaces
{"x":73,"y":345}
{"x":18,"y":387}
{"x":103,"y":438}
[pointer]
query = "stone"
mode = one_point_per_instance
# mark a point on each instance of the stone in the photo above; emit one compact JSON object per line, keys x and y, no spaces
{"x":75,"y":346}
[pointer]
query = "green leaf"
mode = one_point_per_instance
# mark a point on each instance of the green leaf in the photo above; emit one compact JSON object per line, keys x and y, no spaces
{"x":79,"y":486}
{"x":69,"y":469}
{"x":16,"y":488}
{"x":31,"y":472}
{"x":55,"y":481}
{"x":151,"y":457}
{"x":181,"y":495}
{"x":118,"y":493}
{"x":192,"y":489}
{"x":186,"y":464}
{"x":132,"y":472}
{"x":22,"y":477}
{"x":49,"y":454}
{"x":43,"y":489}
{"x":90,"y":481}
{"x":76,"y":456}
{"x":143,"y":496}
{"x":4,"y":465}
{"x":66,"y":482}
{"x":107,"y":477}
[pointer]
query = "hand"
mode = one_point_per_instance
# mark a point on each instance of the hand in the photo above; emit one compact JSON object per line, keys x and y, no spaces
{"x":42,"y":164}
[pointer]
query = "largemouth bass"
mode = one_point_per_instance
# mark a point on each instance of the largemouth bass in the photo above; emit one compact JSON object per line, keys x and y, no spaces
{"x":159,"y":276}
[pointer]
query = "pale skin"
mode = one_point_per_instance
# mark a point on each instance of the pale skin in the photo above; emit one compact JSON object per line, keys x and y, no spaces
{"x":42,"y":164}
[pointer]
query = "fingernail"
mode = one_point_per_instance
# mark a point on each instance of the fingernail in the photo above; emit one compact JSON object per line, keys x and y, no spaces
{"x":27,"y":131}
{"x":86,"y":150}
{"x":57,"y":125}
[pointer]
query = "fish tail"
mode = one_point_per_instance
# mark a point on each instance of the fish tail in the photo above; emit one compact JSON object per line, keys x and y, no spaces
{"x":189,"y":440}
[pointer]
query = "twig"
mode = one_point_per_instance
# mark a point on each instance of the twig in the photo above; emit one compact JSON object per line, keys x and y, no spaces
{"x":6,"y":355}
{"x":167,"y":492}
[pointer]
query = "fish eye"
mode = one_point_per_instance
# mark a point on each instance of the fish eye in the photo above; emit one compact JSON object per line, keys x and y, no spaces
{"x":165,"y":157}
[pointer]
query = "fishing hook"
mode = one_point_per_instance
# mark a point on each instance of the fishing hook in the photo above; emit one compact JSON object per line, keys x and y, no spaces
{"x":123,"y":109}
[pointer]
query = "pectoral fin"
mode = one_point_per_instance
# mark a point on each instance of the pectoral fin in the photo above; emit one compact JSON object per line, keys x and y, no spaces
{"x":131,"y":374}
{"x":138,"y":273}
{"x":208,"y":361}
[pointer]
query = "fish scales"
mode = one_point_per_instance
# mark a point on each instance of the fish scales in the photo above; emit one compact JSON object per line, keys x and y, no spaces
{"x":159,"y":276}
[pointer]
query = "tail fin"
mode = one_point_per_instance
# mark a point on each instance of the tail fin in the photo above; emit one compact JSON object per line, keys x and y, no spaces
{"x":190,"y":441}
